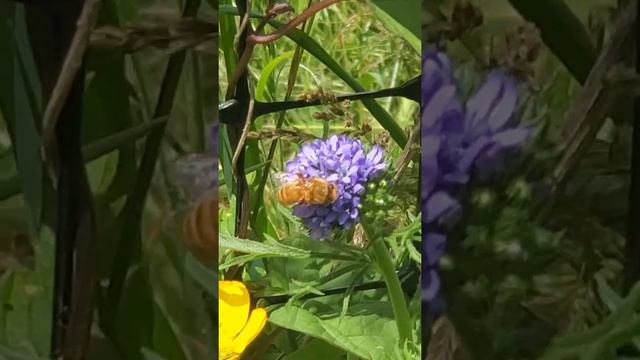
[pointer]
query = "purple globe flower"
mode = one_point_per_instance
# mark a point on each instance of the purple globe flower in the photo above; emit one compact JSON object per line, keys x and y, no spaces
{"x":345,"y":162}
{"x":459,"y":143}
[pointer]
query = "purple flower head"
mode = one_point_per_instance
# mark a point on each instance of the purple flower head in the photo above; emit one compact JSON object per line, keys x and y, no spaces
{"x":459,"y":143}
{"x":345,"y":162}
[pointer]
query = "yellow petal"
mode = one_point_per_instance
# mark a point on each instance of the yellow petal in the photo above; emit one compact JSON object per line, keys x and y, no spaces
{"x":254,"y":326}
{"x":233,"y":309}
{"x":224,"y":356}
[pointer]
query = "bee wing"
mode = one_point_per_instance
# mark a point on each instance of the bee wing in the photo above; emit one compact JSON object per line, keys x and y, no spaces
{"x":282,"y":178}
{"x":196,"y":174}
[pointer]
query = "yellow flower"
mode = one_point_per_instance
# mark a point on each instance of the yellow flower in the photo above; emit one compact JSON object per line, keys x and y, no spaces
{"x":238,"y":325}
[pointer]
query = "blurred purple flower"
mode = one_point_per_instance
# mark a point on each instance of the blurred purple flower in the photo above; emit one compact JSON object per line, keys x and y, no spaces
{"x":459,"y":143}
{"x":436,"y":73}
{"x":344,"y":162}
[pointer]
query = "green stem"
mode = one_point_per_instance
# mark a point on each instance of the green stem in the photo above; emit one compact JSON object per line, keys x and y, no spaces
{"x":398,"y":303}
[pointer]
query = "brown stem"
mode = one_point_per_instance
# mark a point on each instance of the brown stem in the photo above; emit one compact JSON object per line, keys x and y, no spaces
{"x":72,"y":64}
{"x":307,"y":13}
{"x":255,"y":38}
{"x":243,"y":137}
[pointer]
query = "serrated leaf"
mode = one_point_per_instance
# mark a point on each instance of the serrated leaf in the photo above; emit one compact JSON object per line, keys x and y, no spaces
{"x":253,"y":247}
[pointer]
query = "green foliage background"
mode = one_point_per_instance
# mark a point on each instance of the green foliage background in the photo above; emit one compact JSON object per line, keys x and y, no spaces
{"x":161,"y":311}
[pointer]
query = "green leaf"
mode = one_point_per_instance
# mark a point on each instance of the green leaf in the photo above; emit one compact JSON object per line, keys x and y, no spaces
{"x":402,"y":17}
{"x":107,"y":107}
{"x":134,"y":321}
{"x":179,"y":316}
{"x":266,"y":73}
{"x":20,"y":105}
{"x":206,"y":278}
{"x":101,"y":171}
{"x":612,"y":300}
{"x":166,"y":335}
{"x":112,"y":142}
{"x":367,"y":330}
{"x":21,"y":353}
{"x":316,"y":349}
{"x":609,"y":297}
{"x":100,"y":147}
{"x":257,"y":248}
{"x":227,"y":33}
{"x":226,"y":156}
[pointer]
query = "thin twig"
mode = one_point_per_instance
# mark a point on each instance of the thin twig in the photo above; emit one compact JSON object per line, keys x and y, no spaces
{"x":242,"y":65}
{"x":405,"y":156}
{"x":70,"y":67}
{"x":307,"y":13}
{"x":243,"y":25}
{"x":243,"y":62}
{"x":243,"y":137}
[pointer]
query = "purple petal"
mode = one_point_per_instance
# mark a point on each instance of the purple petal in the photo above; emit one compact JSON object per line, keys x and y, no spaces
{"x":434,"y":247}
{"x":439,"y":205}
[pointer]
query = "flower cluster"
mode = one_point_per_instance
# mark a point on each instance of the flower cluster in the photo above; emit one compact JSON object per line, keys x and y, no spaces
{"x":459,"y":142}
{"x":345,"y":162}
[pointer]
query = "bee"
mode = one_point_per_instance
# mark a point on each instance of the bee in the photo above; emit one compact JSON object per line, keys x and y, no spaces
{"x":200,"y":229}
{"x":312,"y":190}
{"x":194,"y":175}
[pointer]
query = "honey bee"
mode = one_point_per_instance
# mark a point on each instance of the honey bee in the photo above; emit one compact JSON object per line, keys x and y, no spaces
{"x":200,"y":229}
{"x":305,"y":190}
{"x":195,"y":175}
